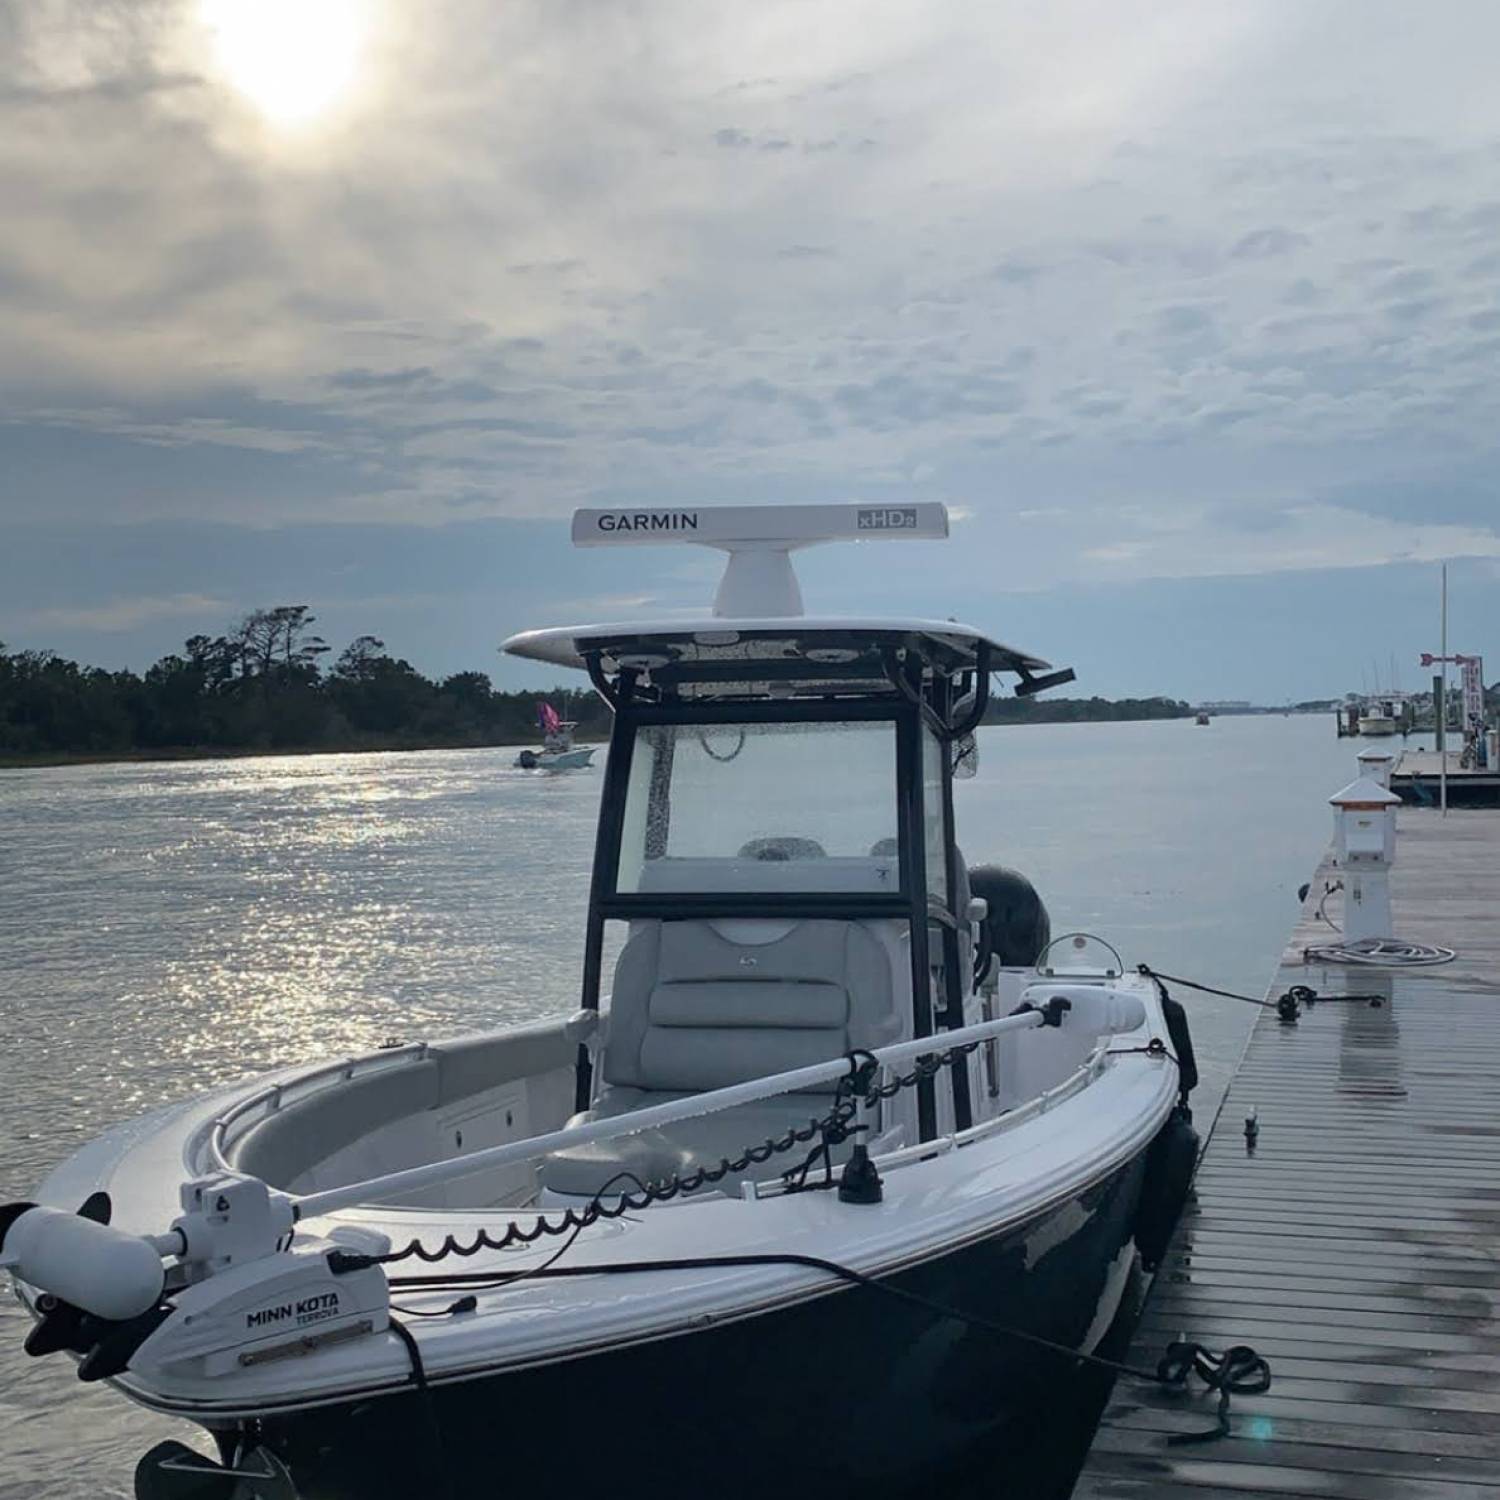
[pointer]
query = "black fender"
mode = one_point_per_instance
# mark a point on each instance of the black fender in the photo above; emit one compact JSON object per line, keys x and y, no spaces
{"x":1171,"y":1160}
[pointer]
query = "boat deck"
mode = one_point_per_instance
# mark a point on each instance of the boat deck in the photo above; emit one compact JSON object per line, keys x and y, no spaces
{"x":1358,"y":1247}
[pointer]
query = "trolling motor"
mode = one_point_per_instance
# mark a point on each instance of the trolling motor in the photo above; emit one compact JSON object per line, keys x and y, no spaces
{"x":226,"y":1287}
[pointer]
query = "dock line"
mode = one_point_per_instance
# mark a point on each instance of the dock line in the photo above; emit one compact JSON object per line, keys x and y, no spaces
{"x":1239,"y":1370}
{"x":1299,"y":995}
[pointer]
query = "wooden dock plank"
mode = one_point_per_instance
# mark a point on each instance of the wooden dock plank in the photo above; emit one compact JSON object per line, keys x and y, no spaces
{"x":1358,"y":1246}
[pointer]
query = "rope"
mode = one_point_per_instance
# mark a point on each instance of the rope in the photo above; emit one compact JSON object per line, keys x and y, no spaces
{"x":1298,"y":995}
{"x":429,"y":1406}
{"x":1385,"y":953}
{"x":1206,"y":989}
{"x":1329,"y":887}
{"x":1239,"y":1370}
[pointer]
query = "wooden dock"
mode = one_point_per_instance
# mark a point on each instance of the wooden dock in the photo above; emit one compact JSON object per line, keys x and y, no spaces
{"x":1358,"y":1247}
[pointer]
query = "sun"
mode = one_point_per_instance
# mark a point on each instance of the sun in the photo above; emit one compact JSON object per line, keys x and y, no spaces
{"x":292,"y":59}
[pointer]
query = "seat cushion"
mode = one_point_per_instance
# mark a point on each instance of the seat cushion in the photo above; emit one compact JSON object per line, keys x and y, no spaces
{"x":701,"y":1142}
{"x":584,"y":1171}
{"x":699,"y":1005}
{"x":695,"y":1009}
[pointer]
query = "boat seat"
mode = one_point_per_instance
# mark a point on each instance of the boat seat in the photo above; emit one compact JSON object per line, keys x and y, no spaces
{"x":701,"y":1005}
{"x":784,"y":847}
{"x":963,"y":893}
{"x":654,"y":1155}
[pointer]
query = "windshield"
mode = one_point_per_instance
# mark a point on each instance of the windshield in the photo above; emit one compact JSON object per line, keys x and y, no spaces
{"x":761,"y":807}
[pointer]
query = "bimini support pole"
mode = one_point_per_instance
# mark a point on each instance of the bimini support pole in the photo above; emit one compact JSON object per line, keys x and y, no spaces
{"x":759,"y":581}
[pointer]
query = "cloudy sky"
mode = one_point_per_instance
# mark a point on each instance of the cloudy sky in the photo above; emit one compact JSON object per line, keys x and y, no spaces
{"x":1191,"y":310}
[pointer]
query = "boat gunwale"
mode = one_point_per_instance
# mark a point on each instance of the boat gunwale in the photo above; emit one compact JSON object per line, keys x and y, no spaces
{"x":228,"y":1411}
{"x":322,"y":1078}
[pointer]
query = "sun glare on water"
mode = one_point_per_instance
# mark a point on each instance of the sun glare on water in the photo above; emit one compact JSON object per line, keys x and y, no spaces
{"x":292,"y":59}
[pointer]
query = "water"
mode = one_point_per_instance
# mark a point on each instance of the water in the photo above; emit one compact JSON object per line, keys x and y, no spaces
{"x":165,"y":926}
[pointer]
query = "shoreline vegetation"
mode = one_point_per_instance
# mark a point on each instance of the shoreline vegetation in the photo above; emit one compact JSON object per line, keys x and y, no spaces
{"x":1083,"y":710}
{"x":264,"y":688}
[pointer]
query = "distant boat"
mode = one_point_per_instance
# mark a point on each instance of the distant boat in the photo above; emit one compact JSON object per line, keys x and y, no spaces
{"x":1380,"y":715}
{"x":1203,"y":718}
{"x":558,"y":752}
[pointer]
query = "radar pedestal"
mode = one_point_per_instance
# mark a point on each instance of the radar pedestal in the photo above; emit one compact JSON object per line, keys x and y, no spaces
{"x":759,"y":580}
{"x":1364,"y":834}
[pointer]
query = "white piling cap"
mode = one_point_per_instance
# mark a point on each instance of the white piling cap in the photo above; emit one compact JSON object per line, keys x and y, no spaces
{"x":1364,"y":793}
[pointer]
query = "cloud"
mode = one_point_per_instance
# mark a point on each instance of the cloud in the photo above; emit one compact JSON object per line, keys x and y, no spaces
{"x":379,"y":380}
{"x":1182,"y":321}
{"x":1292,"y":538}
{"x":1266,"y":244}
{"x":735,"y":255}
{"x":121,"y":614}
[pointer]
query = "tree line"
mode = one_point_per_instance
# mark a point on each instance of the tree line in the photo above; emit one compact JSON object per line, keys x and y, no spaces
{"x":269,"y":684}
{"x":1071,"y":710}
{"x":266,"y":684}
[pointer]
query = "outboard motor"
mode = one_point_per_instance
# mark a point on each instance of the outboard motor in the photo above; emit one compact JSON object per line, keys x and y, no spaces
{"x":1016,"y":928}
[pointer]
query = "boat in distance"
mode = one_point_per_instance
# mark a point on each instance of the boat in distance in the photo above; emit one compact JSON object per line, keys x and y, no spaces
{"x":558,"y":752}
{"x":740,"y":1216}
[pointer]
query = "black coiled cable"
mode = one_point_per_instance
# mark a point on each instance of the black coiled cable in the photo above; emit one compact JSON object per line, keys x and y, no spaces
{"x":829,"y":1130}
{"x":1238,"y":1371}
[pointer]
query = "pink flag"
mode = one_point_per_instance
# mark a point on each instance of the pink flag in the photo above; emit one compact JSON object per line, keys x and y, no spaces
{"x":547,"y":717}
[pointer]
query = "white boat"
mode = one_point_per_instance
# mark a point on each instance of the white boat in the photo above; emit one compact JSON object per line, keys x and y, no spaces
{"x":558,"y":752}
{"x":730,"y":1223}
{"x":1380,"y":716}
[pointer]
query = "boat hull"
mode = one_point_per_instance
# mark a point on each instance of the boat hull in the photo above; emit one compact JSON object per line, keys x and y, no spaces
{"x":855,"y":1387}
{"x":556,"y":760}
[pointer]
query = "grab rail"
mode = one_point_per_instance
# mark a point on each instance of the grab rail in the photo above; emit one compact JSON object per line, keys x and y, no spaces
{"x":577,"y":1026}
{"x":412,"y":1178}
{"x":275,"y":1094}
